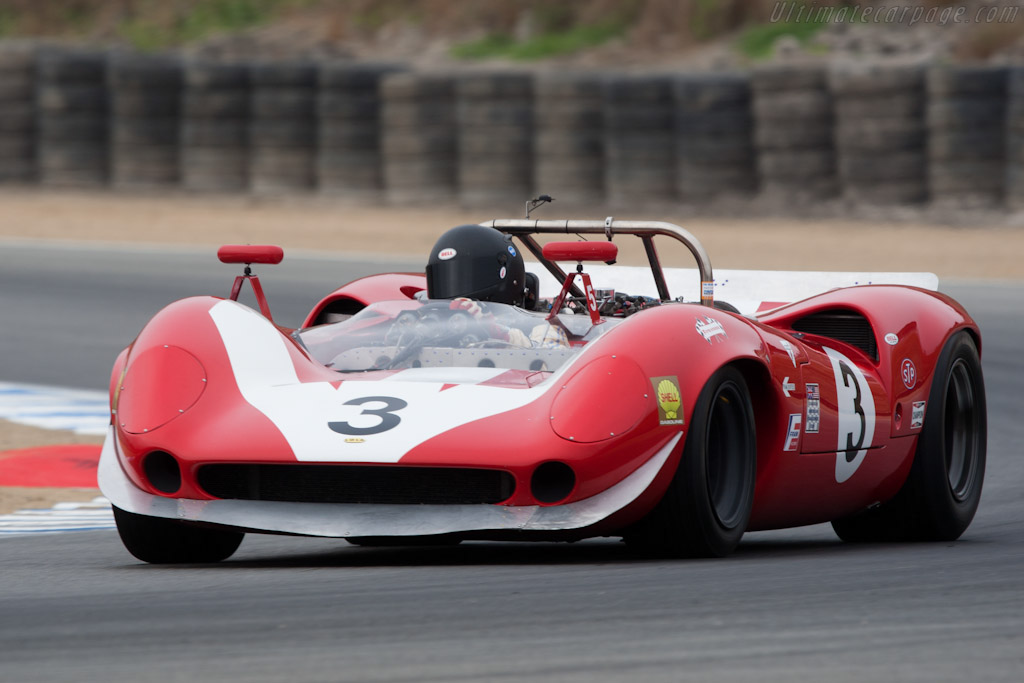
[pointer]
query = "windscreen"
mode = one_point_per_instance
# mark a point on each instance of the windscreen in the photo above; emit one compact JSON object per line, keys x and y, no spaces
{"x":440,"y":333}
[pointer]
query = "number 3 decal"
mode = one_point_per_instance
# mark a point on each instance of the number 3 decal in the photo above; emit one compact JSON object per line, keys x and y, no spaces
{"x":386,"y":416}
{"x":856,"y":408}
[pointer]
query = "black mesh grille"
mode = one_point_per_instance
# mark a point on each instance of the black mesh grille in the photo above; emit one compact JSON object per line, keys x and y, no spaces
{"x":356,"y":484}
{"x":846,"y":326}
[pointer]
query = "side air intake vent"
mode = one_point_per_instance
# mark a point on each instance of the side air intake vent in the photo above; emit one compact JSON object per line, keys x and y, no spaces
{"x":846,"y":326}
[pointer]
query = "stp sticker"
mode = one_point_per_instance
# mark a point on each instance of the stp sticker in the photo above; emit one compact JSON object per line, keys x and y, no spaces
{"x":917,"y":414}
{"x":813,"y":409}
{"x":666,"y":391}
{"x":909,"y":373}
{"x":709,"y":328}
{"x":446,"y":254}
{"x":793,"y":432}
{"x":891,"y":339}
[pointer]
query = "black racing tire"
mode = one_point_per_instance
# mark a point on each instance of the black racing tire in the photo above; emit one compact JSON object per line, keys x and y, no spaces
{"x":281,"y":102}
{"x":941,"y":494}
{"x":966,"y":114}
{"x":706,"y":509}
{"x":856,"y":80}
{"x":167,"y":541}
{"x":968,"y":80}
{"x":705,"y":93}
{"x":511,"y":87}
{"x":783,"y":77}
{"x":810,"y":106}
{"x":906,"y":107}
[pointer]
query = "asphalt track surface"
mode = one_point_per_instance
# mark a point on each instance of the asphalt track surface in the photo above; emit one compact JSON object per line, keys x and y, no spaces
{"x":794,"y":605}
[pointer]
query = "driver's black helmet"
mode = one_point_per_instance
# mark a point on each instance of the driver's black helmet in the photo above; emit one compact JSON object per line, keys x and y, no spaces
{"x":476,"y":262}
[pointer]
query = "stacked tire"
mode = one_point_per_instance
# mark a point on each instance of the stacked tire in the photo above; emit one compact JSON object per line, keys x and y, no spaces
{"x":72,"y":104}
{"x":215,"y":127}
{"x":283,"y":133}
{"x":639,"y":140}
{"x":494,"y":112}
{"x":568,"y":144}
{"x":880,"y":133}
{"x":793,"y":132}
{"x":348,"y":110}
{"x":715,"y":153}
{"x":17,"y":114}
{"x":418,"y":137}
{"x":1015,"y":139}
{"x":145,"y":104}
{"x":967,"y":135}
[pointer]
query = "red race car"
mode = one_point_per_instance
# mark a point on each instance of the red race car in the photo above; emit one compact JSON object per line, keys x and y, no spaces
{"x":477,"y":402}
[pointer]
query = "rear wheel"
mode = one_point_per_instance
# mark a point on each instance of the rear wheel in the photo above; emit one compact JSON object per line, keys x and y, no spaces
{"x":707,"y":507}
{"x":943,"y":489}
{"x":167,"y":541}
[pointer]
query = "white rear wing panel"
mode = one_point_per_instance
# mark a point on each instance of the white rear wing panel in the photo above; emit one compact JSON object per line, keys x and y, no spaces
{"x":748,"y":290}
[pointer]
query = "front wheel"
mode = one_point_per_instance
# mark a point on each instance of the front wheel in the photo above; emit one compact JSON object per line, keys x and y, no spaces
{"x":943,"y":489}
{"x":707,"y":506}
{"x":167,"y":541}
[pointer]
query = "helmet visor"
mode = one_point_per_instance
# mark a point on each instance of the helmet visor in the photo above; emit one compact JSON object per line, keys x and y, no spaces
{"x":464,"y":276}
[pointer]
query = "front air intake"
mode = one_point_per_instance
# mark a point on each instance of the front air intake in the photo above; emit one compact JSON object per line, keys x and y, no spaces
{"x":372,"y":484}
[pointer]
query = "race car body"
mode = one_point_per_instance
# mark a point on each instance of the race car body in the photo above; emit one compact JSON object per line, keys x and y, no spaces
{"x":393,"y":418}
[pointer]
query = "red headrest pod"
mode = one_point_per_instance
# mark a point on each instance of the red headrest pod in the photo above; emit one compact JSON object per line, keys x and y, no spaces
{"x":250,"y":253}
{"x":581,"y":251}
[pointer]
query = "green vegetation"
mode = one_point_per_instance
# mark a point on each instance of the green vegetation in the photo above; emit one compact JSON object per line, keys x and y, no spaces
{"x":757,"y":41}
{"x":8,"y":22}
{"x":199,"y":21}
{"x":547,"y":44}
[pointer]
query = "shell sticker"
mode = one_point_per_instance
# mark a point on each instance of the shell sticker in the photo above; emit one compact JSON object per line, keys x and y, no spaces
{"x":670,"y":402}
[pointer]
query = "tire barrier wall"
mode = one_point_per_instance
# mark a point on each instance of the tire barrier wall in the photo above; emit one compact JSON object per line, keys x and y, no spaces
{"x":639,"y":140}
{"x":889,"y":135}
{"x":72,"y":112}
{"x":794,"y":132}
{"x":715,"y":152}
{"x":348,"y":111}
{"x":880,"y":133}
{"x":17,"y":114}
{"x":568,"y":137}
{"x":283,"y":130}
{"x":418,"y":137}
{"x":1015,"y":139}
{"x":215,"y":127}
{"x":145,"y":122}
{"x":967,"y":135}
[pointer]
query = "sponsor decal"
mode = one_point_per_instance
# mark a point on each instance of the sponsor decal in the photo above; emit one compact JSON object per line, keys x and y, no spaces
{"x":909,"y":373}
{"x":501,"y":273}
{"x":813,"y":409}
{"x":511,"y":251}
{"x":856,"y":408}
{"x":917,"y":414}
{"x":707,"y":289}
{"x":709,"y":328}
{"x":789,"y":349}
{"x":891,"y":339}
{"x":793,"y":432}
{"x":446,"y":254}
{"x":355,"y":439}
{"x":666,"y":391}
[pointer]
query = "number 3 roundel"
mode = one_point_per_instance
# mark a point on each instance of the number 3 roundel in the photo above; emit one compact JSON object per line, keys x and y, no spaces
{"x":856,"y":408}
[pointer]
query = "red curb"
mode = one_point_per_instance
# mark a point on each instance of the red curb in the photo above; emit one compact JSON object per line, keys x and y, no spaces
{"x":71,"y":466}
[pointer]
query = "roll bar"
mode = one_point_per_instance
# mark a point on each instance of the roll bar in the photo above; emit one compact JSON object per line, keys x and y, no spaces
{"x":525,"y":229}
